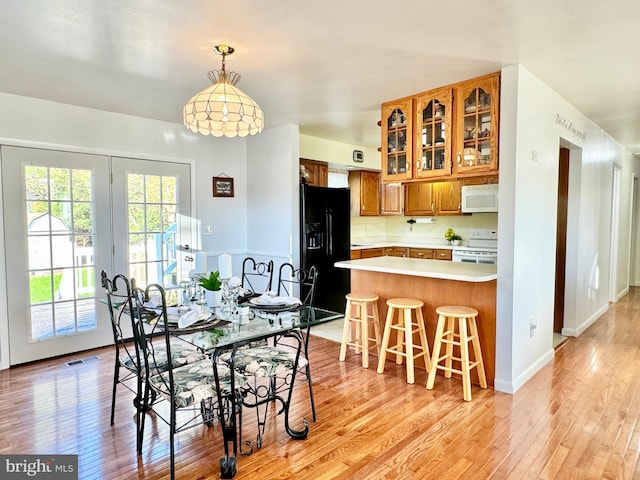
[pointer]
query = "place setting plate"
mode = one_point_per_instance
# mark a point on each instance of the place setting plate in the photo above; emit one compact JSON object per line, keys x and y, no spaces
{"x":257,"y":302}
{"x":272,"y":305}
{"x":205,"y":323}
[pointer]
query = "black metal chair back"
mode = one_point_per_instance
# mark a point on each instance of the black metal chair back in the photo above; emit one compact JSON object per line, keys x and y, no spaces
{"x":192,"y":387}
{"x":298,"y":282}
{"x":301,"y":283}
{"x":120,"y":304}
{"x":153,"y":354}
{"x":257,"y":276}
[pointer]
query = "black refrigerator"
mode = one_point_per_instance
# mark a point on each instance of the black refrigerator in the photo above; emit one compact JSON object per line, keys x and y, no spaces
{"x":325,"y":230}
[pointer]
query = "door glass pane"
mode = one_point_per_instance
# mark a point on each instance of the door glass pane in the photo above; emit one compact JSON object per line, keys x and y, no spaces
{"x":152,"y":207}
{"x":60,"y":263}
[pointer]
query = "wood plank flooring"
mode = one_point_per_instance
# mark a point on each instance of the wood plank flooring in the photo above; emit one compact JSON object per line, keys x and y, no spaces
{"x":578,"y":418}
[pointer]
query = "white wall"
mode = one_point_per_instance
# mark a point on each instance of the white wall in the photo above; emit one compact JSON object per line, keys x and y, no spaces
{"x":33,"y":122}
{"x":337,"y":154}
{"x":534,"y":119}
{"x":273,"y":195}
{"x":627,"y":259}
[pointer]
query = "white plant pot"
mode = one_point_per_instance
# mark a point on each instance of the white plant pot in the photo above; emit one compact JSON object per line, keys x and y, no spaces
{"x":455,"y":242}
{"x":214,"y":298}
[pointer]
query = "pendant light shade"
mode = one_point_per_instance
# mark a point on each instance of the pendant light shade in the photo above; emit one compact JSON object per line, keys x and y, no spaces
{"x":223,"y":109}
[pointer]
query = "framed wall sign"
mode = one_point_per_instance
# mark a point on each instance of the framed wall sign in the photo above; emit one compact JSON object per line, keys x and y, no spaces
{"x":223,"y":187}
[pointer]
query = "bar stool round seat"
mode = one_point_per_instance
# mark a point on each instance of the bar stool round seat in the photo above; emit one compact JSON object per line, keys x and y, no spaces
{"x":361,"y":311}
{"x":404,"y":316}
{"x":451,"y":333}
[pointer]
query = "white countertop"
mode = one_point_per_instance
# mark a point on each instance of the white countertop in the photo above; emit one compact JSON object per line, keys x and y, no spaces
{"x":417,"y":267}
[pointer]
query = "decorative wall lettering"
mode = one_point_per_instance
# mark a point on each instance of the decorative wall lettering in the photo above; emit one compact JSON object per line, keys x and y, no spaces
{"x":568,"y":125}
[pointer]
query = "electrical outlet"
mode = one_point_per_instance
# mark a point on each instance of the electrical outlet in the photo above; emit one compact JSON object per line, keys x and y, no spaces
{"x":533,"y":326}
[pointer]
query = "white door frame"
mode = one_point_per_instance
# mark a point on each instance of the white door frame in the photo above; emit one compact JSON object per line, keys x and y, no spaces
{"x":4,"y":317}
{"x":23,"y":348}
{"x":615,"y":232}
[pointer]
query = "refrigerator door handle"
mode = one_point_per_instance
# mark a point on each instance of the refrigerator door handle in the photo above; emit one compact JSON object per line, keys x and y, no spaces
{"x":329,"y":230}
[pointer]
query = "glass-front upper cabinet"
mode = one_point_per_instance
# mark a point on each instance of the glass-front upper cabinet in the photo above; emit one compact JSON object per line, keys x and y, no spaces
{"x":396,"y":139}
{"x":432,"y":122}
{"x":477,"y":107}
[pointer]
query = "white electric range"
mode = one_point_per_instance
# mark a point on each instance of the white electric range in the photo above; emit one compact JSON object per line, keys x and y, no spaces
{"x":482,"y":247}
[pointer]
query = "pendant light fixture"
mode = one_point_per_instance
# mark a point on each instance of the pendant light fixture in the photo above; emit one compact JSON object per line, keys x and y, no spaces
{"x":223,"y":109}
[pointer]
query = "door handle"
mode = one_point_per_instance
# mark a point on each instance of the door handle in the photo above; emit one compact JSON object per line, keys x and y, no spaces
{"x":329,"y":230}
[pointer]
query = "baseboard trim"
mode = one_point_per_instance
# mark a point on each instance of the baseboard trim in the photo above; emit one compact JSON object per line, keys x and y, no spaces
{"x":574,"y":332}
{"x":512,"y":387}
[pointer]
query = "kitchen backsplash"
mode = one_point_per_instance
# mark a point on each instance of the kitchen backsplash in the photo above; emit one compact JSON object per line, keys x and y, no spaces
{"x":396,"y":229}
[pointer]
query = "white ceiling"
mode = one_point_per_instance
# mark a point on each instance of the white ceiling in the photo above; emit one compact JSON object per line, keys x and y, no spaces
{"x":325,"y":65}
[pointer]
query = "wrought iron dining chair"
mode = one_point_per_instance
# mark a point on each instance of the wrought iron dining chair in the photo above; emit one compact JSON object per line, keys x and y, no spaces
{"x":301,"y":283}
{"x":257,"y":276}
{"x":120,"y":303}
{"x":269,"y":369}
{"x":127,"y":365}
{"x":191,"y":388}
{"x":298,"y":282}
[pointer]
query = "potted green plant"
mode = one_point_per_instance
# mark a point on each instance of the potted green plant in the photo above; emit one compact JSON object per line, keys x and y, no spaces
{"x":452,"y":237}
{"x":212,"y":285}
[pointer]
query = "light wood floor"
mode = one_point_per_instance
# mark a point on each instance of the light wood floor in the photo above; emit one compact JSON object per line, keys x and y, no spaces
{"x":578,"y":418}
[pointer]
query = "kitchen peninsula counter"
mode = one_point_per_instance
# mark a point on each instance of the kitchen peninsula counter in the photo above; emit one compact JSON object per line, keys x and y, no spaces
{"x":436,"y":283}
{"x":466,"y":272}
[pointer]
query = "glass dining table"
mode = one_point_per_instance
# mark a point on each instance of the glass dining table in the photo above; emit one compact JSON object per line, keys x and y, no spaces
{"x":228,"y":334}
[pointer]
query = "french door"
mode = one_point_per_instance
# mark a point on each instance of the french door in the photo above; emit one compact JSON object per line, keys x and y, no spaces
{"x":151,"y":218}
{"x":64,"y":223}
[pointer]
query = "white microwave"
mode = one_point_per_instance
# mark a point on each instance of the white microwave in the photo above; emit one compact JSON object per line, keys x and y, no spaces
{"x":480,"y":198}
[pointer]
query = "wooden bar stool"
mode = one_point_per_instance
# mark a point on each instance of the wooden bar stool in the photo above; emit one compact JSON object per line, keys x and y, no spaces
{"x":405,"y":326}
{"x":361,"y":309}
{"x":466,"y":318}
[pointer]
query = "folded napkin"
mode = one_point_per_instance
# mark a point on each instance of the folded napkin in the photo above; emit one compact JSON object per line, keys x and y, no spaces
{"x":266,"y":299}
{"x":193,"y":315}
{"x":188,"y":319}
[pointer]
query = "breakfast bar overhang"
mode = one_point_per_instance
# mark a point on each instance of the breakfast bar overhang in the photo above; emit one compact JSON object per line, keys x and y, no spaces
{"x":436,"y":283}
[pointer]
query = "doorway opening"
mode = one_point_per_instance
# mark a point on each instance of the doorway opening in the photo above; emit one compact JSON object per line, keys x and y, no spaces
{"x":561,"y":246}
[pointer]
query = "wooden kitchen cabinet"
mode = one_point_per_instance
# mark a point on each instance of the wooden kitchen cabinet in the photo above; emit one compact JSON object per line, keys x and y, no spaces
{"x":442,"y":254}
{"x":419,"y":200}
{"x":365,"y":193}
{"x":318,"y":172}
{"x":391,"y":199}
{"x":476,"y":126}
{"x":433,"y":199}
{"x":397,"y":139}
{"x":448,"y":197}
{"x":430,"y":253}
{"x":446,"y":133}
{"x":396,"y":252}
{"x":426,"y":253}
{"x":371,"y":252}
{"x":491,"y":179}
{"x":432,"y":137}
